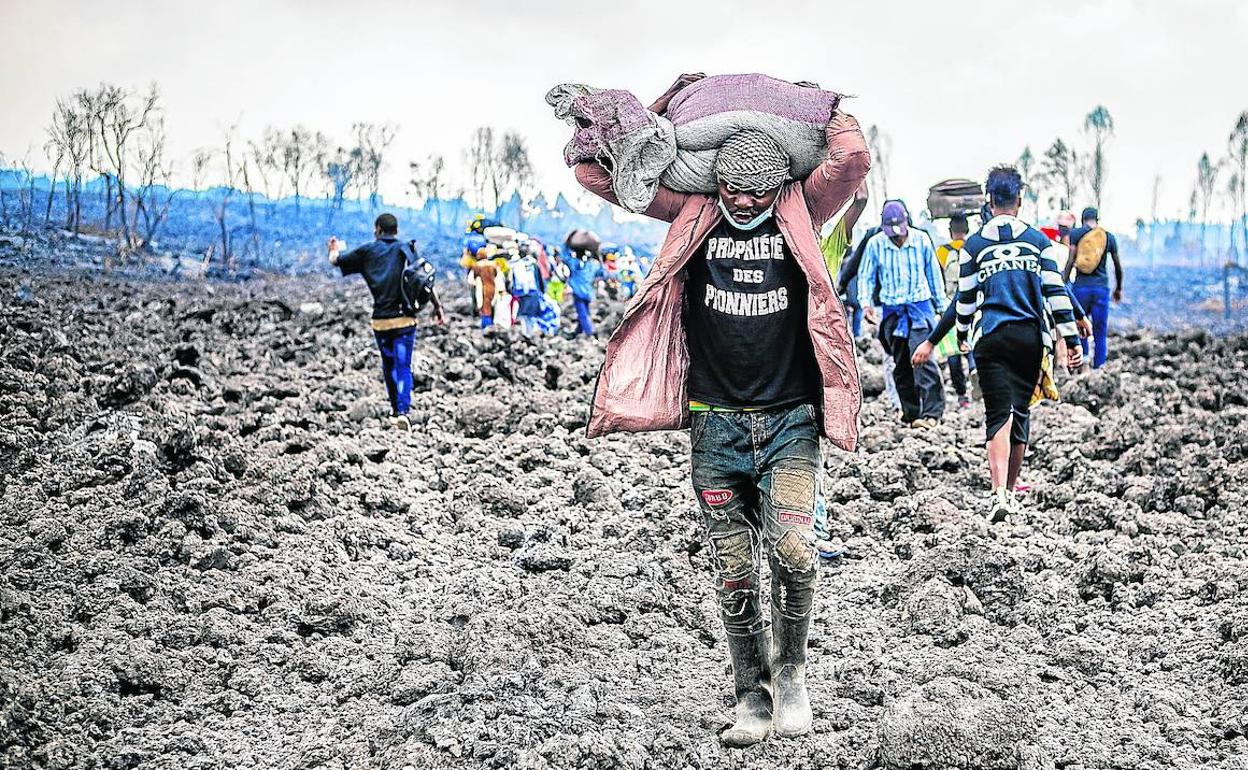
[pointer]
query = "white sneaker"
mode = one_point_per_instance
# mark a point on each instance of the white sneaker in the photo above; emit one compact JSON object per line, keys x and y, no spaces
{"x":1002,"y":505}
{"x":401,"y":423}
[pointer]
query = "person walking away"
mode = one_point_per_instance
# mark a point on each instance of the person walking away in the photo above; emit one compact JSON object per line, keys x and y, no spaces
{"x":1090,"y":244}
{"x":835,"y":247}
{"x":584,"y":273}
{"x":947,"y":255}
{"x":1009,"y":289}
{"x":847,"y":272}
{"x":528,"y":288}
{"x":488,"y":277}
{"x":381,"y":265}
{"x":1065,"y":225}
{"x":835,"y":244}
{"x":901,"y":263}
{"x":473,"y":242}
{"x":737,"y":334}
{"x":558,"y":282}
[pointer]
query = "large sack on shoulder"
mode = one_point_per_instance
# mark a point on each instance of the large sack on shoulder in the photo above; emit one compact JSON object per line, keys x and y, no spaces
{"x":704,"y":114}
{"x":1090,"y":250}
{"x":642,"y":149}
{"x":614,"y":128}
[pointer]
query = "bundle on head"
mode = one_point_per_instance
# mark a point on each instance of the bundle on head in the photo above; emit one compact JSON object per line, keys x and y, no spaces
{"x":751,"y":160}
{"x":583,"y":242}
{"x":679,"y":149}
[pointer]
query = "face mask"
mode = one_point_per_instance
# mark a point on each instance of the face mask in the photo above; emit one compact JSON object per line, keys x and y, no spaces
{"x":753,"y":223}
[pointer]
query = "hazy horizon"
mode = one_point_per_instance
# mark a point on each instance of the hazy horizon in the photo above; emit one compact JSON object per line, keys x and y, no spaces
{"x":957,"y":88}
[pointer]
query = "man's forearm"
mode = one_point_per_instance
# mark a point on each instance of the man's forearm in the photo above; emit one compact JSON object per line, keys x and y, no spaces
{"x":851,"y":216}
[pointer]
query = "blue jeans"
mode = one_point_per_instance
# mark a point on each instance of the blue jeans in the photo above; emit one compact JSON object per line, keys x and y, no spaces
{"x":1095,"y":302}
{"x":756,"y":479}
{"x":396,"y":366}
{"x":586,"y":324}
{"x":853,"y":308}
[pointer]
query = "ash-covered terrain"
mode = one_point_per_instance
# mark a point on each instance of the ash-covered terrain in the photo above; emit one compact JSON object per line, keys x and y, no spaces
{"x":215,"y":553}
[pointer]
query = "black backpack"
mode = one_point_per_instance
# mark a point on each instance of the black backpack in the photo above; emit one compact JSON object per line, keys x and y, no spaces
{"x":419,"y":276}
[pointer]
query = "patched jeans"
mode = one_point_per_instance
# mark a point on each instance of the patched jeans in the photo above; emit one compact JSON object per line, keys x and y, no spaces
{"x":755,"y":475}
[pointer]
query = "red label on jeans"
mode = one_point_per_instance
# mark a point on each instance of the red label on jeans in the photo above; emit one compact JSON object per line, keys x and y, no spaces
{"x":788,"y":517}
{"x":716,"y":497}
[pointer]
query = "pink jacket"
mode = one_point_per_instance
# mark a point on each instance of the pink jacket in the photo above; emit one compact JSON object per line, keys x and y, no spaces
{"x":642,"y":383}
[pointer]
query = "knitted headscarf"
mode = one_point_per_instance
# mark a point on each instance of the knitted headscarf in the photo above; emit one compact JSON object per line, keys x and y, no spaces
{"x":752,"y":160}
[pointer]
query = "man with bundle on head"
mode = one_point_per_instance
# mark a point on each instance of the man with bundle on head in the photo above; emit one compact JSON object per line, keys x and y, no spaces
{"x":738,"y":334}
{"x":1009,"y":288}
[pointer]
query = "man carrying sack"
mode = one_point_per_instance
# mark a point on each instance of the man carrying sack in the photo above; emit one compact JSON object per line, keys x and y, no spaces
{"x":1089,"y":247}
{"x":758,"y":365}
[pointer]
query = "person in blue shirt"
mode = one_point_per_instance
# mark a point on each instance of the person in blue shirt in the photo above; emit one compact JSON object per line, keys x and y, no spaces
{"x":528,"y":287}
{"x":585,"y":270}
{"x":1091,"y":290}
{"x":1008,"y":288}
{"x":899,"y":272}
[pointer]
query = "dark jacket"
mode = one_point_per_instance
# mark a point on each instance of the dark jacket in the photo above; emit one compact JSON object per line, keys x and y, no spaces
{"x":381,"y":263}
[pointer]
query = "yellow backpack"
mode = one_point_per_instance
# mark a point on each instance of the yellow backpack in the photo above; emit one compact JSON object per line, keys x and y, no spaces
{"x":1090,"y":250}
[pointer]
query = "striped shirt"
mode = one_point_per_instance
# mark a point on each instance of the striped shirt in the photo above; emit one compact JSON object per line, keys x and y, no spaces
{"x":1008,"y":273}
{"x":905,"y":275}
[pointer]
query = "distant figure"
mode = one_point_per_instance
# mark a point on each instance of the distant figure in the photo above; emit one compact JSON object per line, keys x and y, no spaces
{"x":558,"y":282}
{"x":902,"y":264}
{"x":528,"y":287}
{"x":488,"y":278}
{"x":1091,"y":287}
{"x":835,"y":244}
{"x":394,"y":320}
{"x":947,"y":255}
{"x":584,"y":273}
{"x":1009,"y":290}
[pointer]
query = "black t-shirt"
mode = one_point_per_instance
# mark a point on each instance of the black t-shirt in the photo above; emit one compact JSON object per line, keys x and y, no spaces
{"x":745,"y":316}
{"x":381,"y":263}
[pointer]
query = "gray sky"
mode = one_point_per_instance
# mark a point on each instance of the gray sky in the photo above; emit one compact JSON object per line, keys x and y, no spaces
{"x":958,"y":86}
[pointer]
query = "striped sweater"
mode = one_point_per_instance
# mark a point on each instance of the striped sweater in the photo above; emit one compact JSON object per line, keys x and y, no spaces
{"x":1008,"y":272}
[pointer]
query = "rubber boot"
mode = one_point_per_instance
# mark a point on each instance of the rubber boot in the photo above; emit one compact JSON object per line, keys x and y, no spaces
{"x":792,"y":716}
{"x":750,"y":680}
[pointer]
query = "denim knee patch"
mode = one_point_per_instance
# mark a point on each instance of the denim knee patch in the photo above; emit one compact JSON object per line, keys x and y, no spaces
{"x":793,"y":489}
{"x":795,"y":552}
{"x":734,"y":554}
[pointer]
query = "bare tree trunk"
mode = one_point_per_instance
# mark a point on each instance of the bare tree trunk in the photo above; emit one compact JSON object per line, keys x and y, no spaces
{"x":108,"y":201}
{"x":77,"y":207}
{"x":225,"y":242}
{"x":47,"y":212}
{"x":69,"y":204}
{"x":255,"y":234}
{"x":121,"y":212}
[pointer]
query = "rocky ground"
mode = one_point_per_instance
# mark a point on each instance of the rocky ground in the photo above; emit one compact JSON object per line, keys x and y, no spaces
{"x":215,"y":554}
